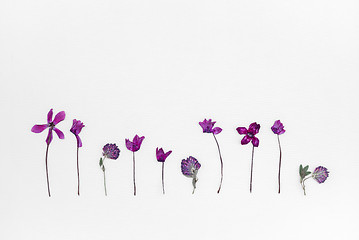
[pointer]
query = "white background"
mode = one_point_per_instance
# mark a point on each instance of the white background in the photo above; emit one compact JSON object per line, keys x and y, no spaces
{"x":157,"y":68}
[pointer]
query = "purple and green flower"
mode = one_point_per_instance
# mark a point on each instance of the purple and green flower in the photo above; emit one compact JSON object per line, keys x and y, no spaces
{"x":161,"y":157}
{"x":278,"y":129}
{"x":51,"y":124}
{"x":134,"y":146}
{"x":189,"y":168}
{"x":207,"y":126}
{"x":250,"y":136}
{"x":320,"y":174}
{"x":76,"y":128}
{"x":110,"y":151}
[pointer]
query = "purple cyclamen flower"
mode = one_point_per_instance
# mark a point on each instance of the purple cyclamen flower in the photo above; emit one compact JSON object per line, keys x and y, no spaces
{"x":51,"y":124}
{"x":250,"y":134}
{"x":278,"y":128}
{"x":134,"y":146}
{"x":76,"y":129}
{"x":207,"y":126}
{"x":320,"y":174}
{"x":110,"y":151}
{"x":161,"y":157}
{"x":190,"y":167}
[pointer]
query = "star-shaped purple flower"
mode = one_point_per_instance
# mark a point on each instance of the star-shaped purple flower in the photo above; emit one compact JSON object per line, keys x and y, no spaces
{"x":135,"y":145}
{"x":51,"y":124}
{"x":250,"y":134}
{"x":278,"y":128}
{"x":207,"y":126}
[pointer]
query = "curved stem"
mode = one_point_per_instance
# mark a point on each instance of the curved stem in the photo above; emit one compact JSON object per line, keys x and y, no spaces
{"x":78,"y":173}
{"x":163,"y":181}
{"x":134,"y":175}
{"x":250,"y":186}
{"x":303,"y":186}
{"x":47,"y":171}
{"x":220,"y":158}
{"x":280,"y":163}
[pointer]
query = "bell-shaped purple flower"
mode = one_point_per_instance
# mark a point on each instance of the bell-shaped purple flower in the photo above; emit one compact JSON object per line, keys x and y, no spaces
{"x":51,"y":124}
{"x":320,"y":174}
{"x":161,"y":155}
{"x":207,"y":126}
{"x":111,"y":151}
{"x":278,"y":128}
{"x":135,"y":145}
{"x":76,"y":128}
{"x":250,"y":134}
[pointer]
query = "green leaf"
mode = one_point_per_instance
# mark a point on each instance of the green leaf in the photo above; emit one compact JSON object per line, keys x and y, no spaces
{"x":306,"y":168}
{"x":103,"y":168}
{"x":101,"y":162}
{"x":300,"y":170}
{"x":307,"y":173}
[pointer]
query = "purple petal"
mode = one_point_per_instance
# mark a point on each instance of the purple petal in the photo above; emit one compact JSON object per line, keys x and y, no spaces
{"x":216,"y":130}
{"x":59,"y":117}
{"x":129,"y":144}
{"x":168,"y":153}
{"x":38,"y":128}
{"x":245,"y":140}
{"x":59,"y":133}
{"x":242,"y":130}
{"x":255,"y":141}
{"x":49,"y":116}
{"x":79,"y":142}
{"x":49,"y":137}
{"x":254,"y":128}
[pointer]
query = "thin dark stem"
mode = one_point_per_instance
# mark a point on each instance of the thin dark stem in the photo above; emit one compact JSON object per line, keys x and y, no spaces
{"x":78,"y":173}
{"x":104,"y":182}
{"x":220,"y":158}
{"x":134,"y":175}
{"x":47,"y":171}
{"x":280,"y":163}
{"x":250,"y":186}
{"x":163,"y":180}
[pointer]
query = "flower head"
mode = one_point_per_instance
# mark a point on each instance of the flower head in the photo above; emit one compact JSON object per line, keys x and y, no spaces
{"x":250,"y":134}
{"x":207,"y":126}
{"x":135,"y":145}
{"x":278,"y":128}
{"x":190,"y":167}
{"x":51,"y":125}
{"x":111,"y":151}
{"x":161,"y":155}
{"x":76,"y":128}
{"x":320,"y":174}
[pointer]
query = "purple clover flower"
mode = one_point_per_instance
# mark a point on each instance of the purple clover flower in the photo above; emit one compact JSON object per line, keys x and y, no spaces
{"x":135,"y":145}
{"x":76,"y":128}
{"x":278,"y":128}
{"x":250,"y":134}
{"x":207,"y":126}
{"x":111,"y":151}
{"x":161,"y":157}
{"x":189,"y":168}
{"x":51,"y":124}
{"x":320,"y":174}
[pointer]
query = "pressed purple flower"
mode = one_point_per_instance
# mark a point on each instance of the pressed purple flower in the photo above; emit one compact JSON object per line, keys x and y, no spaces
{"x":161,"y":157}
{"x":250,"y":133}
{"x":135,"y":145}
{"x":207,"y":126}
{"x":76,"y":128}
{"x":278,"y":128}
{"x":320,"y":174}
{"x":51,"y":124}
{"x":111,"y":151}
{"x":189,"y":168}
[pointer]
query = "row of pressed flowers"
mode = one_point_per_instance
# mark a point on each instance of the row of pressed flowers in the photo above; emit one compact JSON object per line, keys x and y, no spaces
{"x":189,"y":166}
